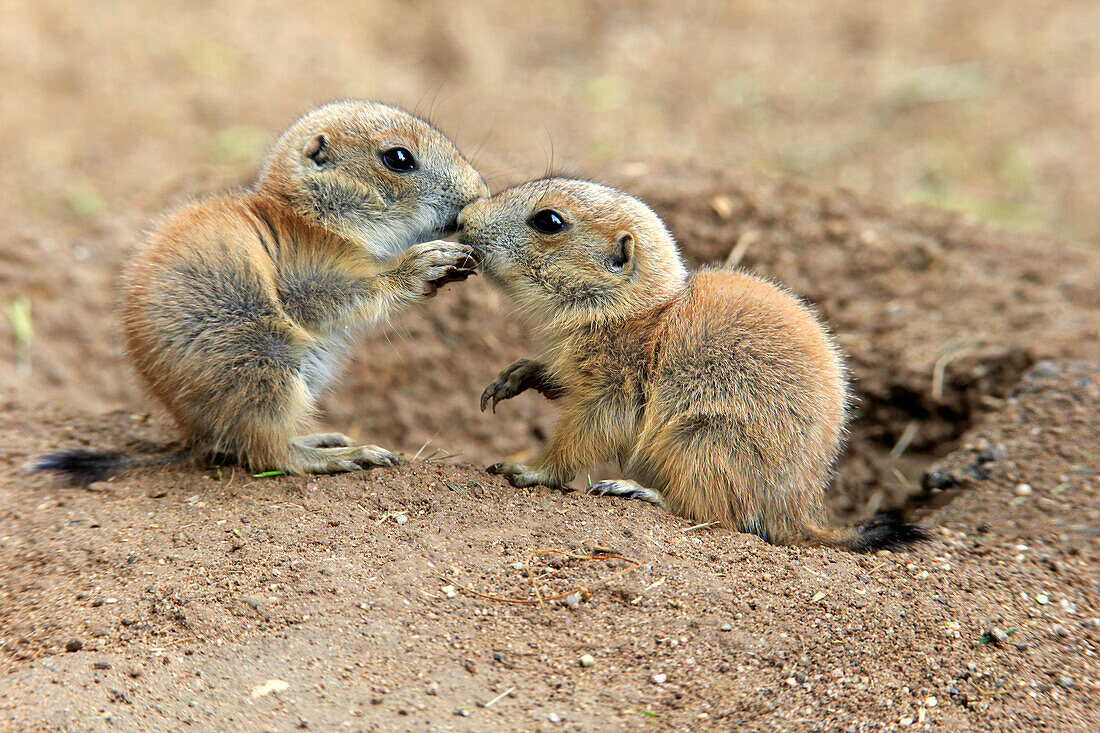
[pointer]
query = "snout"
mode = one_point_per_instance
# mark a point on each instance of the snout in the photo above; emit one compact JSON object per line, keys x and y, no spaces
{"x":473,"y":189}
{"x":473,"y":211}
{"x":470,"y":218}
{"x":473,"y":230}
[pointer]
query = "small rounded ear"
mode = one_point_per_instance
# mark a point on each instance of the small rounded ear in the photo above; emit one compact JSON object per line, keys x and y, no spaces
{"x":317,"y":150}
{"x":622,"y":257}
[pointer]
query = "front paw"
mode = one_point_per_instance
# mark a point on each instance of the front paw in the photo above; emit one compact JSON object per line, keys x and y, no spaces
{"x":431,"y":265}
{"x":521,"y":476}
{"x":509,"y":383}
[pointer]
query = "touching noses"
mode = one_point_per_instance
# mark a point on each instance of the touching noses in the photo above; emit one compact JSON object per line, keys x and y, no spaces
{"x":482,"y":188}
{"x":474,"y":208}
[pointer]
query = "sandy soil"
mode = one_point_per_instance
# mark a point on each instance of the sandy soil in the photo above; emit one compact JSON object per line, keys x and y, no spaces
{"x":181,"y":593}
{"x":176,"y":600}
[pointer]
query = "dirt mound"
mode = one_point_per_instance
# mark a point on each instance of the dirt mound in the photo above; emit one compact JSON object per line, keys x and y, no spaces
{"x":172,"y":599}
{"x":181,"y":593}
{"x":938,"y":315}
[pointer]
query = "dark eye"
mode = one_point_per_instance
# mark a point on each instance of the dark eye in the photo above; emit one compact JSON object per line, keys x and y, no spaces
{"x":399,"y":159}
{"x":546,"y":221}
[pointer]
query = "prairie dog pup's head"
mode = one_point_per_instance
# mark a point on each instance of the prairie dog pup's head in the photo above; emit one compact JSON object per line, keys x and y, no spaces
{"x":372,"y":174}
{"x":573,"y":251}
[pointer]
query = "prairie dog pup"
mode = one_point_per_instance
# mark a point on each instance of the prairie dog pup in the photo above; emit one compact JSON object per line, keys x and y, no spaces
{"x":722,"y":396}
{"x":237,"y":312}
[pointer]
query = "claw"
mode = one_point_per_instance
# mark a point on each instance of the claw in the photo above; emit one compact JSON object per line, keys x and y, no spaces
{"x":457,"y":274}
{"x":599,"y":489}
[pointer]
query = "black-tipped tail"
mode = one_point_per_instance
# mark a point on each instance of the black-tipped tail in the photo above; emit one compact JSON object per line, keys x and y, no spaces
{"x":887,"y":531}
{"x":82,"y":466}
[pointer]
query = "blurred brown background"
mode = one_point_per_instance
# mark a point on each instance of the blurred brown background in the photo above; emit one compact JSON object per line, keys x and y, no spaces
{"x":112,"y":110}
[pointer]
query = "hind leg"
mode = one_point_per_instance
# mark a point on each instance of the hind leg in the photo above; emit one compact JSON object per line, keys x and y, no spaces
{"x":262,"y":439}
{"x":307,"y":458}
{"x":253,"y":406}
{"x":325,"y":440}
{"x":703,"y":470}
{"x":268,"y":442}
{"x":626,"y":489}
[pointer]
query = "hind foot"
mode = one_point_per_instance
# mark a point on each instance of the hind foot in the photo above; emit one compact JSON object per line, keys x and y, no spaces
{"x":626,"y":489}
{"x":310,"y":459}
{"x":522,"y":477}
{"x":325,"y":440}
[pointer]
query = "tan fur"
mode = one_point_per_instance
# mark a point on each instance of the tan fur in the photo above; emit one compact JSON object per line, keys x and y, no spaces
{"x":238,"y":309}
{"x":718,"y":392}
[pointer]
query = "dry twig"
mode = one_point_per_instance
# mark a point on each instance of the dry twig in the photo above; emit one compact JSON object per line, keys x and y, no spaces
{"x":745,"y":241}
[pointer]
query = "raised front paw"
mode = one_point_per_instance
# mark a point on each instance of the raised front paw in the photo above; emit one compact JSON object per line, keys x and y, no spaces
{"x":511,"y":382}
{"x":521,"y":476}
{"x":431,"y":265}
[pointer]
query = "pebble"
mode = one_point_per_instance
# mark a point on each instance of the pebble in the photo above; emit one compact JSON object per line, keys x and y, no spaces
{"x":554,"y":718}
{"x":989,"y":455}
{"x":726,"y":627}
{"x":74,"y":645}
{"x":1066,"y":681}
{"x":999,"y":635}
{"x":1042,"y":599}
{"x":573,"y":600}
{"x":659,"y":679}
{"x":722,"y":206}
{"x":462,"y":713}
{"x":587,"y":660}
{"x":101,"y":665}
{"x":1024,"y":490}
{"x":400,"y":519}
{"x":271,"y":686}
{"x":906,"y":721}
{"x":449,"y":591}
{"x":931,"y":702}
